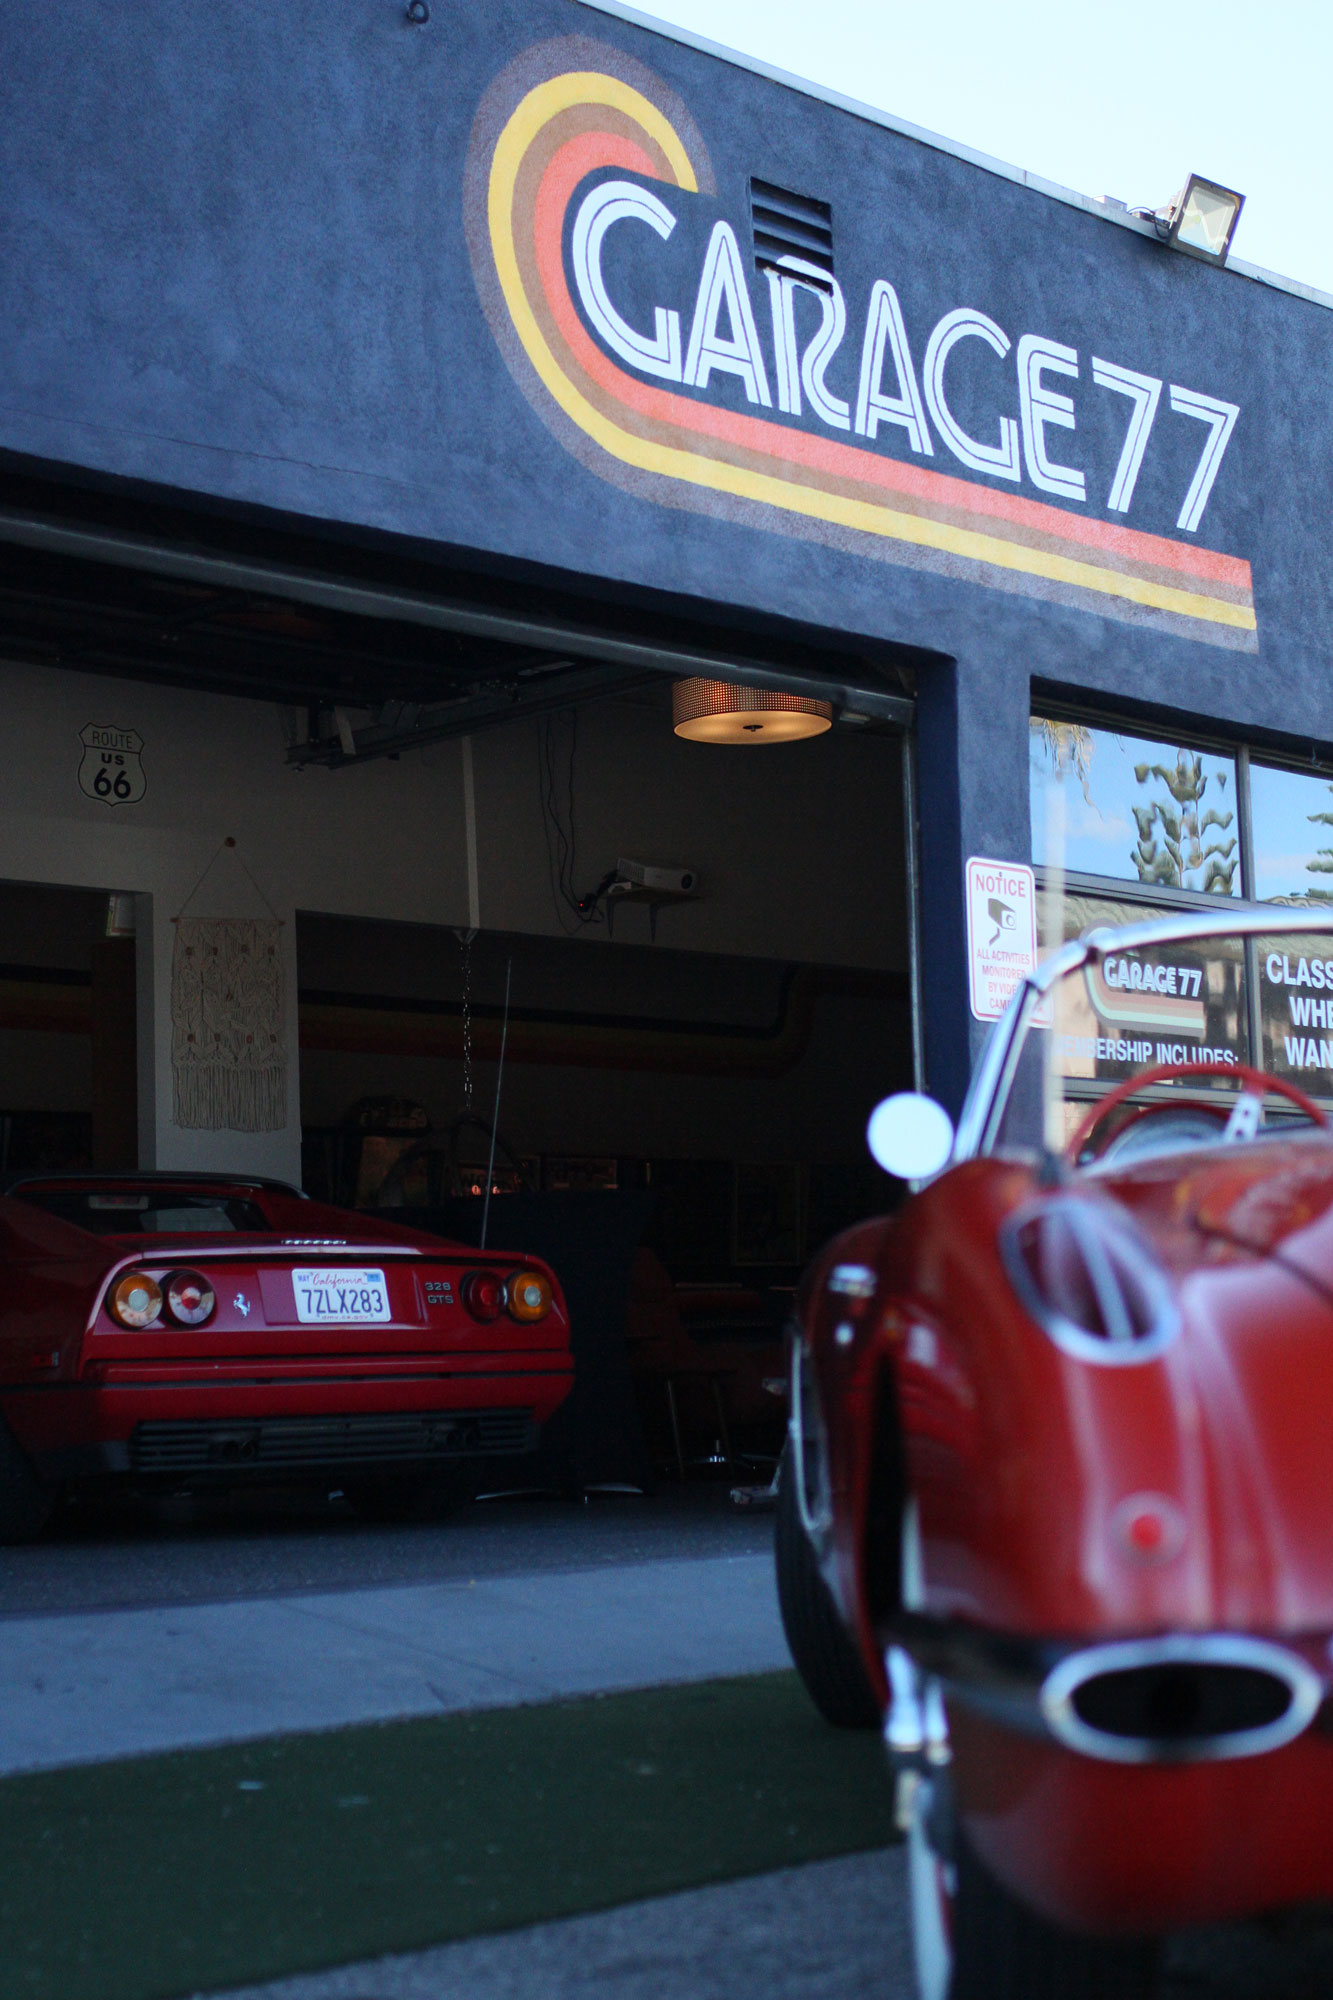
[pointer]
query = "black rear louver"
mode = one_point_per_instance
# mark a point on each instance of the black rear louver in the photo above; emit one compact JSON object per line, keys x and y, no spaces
{"x":791,"y":225}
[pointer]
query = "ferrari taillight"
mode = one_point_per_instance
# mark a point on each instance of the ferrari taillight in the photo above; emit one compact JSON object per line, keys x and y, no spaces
{"x":527,"y":1296}
{"x":190,"y":1298}
{"x":135,"y":1299}
{"x":483,"y":1294}
{"x":1089,"y":1281}
{"x":524,"y":1295}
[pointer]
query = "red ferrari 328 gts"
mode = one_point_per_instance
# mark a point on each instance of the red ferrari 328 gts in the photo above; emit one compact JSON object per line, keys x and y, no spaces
{"x":190,"y":1328}
{"x":1058,"y":1495}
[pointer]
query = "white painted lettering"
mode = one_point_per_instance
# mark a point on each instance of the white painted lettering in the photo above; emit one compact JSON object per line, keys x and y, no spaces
{"x":793,"y":276}
{"x":885,"y":328}
{"x":1000,"y":459}
{"x":1220,"y":418}
{"x":1040,"y":406}
{"x":657,"y":353}
{"x":736,"y":353}
{"x":1145,"y":392}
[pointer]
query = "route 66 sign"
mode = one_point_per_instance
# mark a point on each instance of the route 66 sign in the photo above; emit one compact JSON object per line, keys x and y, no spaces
{"x":111,"y":769}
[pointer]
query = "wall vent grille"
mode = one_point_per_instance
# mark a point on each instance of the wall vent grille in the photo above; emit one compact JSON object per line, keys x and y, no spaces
{"x":790,"y":225}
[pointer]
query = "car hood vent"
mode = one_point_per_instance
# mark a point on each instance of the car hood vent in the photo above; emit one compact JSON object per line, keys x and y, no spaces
{"x":1089,"y":1280}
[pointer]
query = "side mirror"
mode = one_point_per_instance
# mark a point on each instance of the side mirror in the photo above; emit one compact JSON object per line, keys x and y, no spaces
{"x":910,"y":1135}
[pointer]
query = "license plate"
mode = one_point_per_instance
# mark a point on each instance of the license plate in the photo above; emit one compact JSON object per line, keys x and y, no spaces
{"x":341,"y":1298}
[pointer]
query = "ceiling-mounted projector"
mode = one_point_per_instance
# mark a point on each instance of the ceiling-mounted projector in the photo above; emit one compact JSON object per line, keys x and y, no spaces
{"x":654,"y":880}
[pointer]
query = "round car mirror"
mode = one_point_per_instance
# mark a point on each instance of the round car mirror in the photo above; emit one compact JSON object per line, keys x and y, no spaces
{"x":910,"y":1135}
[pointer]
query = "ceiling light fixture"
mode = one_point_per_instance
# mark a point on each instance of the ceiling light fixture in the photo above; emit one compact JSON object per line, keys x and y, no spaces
{"x":721,"y":712}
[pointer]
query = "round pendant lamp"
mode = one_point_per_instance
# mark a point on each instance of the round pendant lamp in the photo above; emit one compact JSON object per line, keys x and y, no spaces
{"x":722,"y":712}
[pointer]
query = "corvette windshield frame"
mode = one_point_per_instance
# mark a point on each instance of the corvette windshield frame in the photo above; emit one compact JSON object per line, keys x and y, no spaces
{"x":992,"y":1080}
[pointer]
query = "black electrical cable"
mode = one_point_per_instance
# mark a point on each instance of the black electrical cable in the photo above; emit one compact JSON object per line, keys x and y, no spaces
{"x":559,"y":828}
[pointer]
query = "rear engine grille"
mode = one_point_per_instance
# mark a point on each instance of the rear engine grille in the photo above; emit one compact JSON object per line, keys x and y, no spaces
{"x":279,"y":1442}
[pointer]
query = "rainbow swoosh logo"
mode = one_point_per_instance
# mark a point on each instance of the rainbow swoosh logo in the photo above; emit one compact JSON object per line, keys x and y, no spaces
{"x":1129,"y":1008}
{"x":573,"y":107}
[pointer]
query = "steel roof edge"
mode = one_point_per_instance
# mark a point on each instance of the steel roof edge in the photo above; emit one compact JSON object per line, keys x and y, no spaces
{"x":1090,"y":204}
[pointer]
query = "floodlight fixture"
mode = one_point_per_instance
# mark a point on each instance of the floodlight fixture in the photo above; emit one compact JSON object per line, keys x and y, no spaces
{"x":1201,"y":220}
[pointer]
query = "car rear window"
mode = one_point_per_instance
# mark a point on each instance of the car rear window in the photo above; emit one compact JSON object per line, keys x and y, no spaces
{"x":163,"y":1212}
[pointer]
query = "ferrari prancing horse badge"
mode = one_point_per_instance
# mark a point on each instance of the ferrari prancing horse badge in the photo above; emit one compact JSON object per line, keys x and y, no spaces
{"x":112,"y":770}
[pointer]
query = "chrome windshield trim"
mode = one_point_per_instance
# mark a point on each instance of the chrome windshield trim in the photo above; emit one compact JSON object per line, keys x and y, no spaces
{"x":993,"y":1074}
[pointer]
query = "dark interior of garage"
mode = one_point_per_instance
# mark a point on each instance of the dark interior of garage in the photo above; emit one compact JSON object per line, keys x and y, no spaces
{"x":68,"y":1084}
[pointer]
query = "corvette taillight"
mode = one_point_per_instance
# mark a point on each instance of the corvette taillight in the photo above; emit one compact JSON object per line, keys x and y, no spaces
{"x":190,"y":1299}
{"x":135,"y":1299}
{"x":1089,"y":1281}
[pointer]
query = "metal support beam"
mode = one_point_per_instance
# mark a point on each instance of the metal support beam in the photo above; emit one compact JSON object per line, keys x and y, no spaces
{"x":367,"y":601}
{"x":440,"y":721}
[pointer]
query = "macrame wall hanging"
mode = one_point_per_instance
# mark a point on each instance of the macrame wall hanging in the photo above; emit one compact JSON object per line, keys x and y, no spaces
{"x":228,"y":1051}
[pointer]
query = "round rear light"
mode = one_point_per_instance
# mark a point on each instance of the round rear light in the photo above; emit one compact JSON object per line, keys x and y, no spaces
{"x":484,"y":1295}
{"x":136,"y":1299}
{"x":528,"y":1296}
{"x":190,"y":1299}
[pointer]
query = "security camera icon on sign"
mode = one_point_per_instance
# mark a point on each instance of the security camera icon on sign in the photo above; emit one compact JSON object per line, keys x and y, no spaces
{"x":1003,"y":918}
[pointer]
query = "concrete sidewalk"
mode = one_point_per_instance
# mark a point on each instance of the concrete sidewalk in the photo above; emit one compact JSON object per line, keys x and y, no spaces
{"x":79,"y":1688}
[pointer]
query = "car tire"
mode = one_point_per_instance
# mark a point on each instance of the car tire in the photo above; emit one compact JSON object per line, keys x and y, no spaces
{"x":823,"y":1650}
{"x":26,"y":1501}
{"x":410,"y":1496}
{"x":973,"y":1940}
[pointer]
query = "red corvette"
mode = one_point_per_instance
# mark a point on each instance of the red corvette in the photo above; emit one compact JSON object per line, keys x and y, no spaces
{"x":1058,"y":1490}
{"x":189,"y":1328}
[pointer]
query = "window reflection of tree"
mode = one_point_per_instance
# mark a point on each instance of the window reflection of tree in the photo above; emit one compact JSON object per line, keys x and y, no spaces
{"x":1322,"y":863}
{"x":1173,"y":842}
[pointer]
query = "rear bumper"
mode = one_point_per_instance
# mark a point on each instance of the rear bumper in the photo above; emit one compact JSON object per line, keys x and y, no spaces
{"x":179,"y":1428}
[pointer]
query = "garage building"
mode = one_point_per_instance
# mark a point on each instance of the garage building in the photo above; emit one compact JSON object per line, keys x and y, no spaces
{"x":421,"y":427}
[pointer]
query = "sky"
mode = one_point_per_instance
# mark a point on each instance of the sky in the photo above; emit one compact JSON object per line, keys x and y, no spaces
{"x":1124,"y":100}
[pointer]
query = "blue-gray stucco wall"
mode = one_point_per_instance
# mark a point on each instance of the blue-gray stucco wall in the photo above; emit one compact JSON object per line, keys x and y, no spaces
{"x":233,"y":261}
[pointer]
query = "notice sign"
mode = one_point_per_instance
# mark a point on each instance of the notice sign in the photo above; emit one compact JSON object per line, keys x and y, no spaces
{"x":1001,"y":932}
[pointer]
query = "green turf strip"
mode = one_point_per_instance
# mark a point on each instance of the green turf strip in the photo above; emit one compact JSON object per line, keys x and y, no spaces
{"x":165,"y":1875}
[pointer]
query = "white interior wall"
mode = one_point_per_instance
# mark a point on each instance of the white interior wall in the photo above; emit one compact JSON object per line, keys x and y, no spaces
{"x":799,"y":848}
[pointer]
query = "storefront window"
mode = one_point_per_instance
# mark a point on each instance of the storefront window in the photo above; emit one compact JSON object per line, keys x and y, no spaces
{"x":1292,"y":816}
{"x":1134,"y":809}
{"x":1167,"y":1004}
{"x":1164,"y":1004}
{"x":1296,"y":1010}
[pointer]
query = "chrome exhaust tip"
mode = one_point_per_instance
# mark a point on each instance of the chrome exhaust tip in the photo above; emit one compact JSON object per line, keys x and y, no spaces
{"x":1182,"y":1699}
